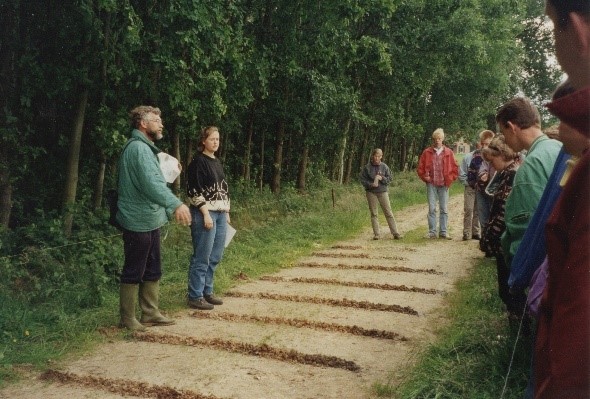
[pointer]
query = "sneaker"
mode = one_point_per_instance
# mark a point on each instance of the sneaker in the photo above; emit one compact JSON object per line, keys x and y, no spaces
{"x":376,"y":237}
{"x":213,"y":300}
{"x":430,"y":236}
{"x":475,"y":237}
{"x":397,"y":236}
{"x":200,"y":304}
{"x":444,"y":237}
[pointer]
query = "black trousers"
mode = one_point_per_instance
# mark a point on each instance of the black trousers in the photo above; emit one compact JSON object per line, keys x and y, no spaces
{"x":142,"y":257}
{"x":514,"y":301}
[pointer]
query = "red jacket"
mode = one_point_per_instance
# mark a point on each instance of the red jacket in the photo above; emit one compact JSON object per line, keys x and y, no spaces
{"x":450,"y":167}
{"x":562,"y":348}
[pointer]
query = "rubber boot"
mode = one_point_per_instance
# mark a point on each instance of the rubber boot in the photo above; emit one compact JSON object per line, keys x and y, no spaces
{"x":127,"y":300}
{"x":149,"y":293}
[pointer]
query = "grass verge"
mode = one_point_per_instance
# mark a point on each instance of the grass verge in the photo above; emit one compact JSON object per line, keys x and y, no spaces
{"x":472,"y":357}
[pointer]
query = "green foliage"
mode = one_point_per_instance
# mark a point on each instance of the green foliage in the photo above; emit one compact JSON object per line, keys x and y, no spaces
{"x":338,"y":78}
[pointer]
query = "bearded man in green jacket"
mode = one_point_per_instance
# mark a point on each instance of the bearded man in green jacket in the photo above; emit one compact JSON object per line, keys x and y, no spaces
{"x":145,"y":204}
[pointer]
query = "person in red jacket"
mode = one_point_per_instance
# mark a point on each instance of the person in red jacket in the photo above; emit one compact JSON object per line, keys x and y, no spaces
{"x":562,"y":349}
{"x":438,"y":168}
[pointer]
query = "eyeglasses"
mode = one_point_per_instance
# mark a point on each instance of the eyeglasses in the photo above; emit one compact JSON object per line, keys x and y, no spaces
{"x":156,"y":120}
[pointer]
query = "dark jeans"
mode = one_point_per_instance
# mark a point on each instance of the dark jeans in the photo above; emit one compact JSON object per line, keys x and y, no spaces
{"x":142,"y":257}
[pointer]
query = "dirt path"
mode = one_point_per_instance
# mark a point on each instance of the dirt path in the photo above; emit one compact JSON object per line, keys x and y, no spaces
{"x":328,"y":327}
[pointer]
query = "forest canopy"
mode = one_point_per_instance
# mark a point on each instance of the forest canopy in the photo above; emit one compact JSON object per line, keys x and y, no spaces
{"x":301,"y":90}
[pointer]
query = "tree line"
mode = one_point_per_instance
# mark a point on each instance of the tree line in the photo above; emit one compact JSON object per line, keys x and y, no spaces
{"x":301,"y":90}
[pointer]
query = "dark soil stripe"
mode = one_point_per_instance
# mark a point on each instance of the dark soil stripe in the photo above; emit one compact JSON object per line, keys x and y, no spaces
{"x":360,"y":256}
{"x":302,"y":323}
{"x":262,"y":350}
{"x":340,"y":246}
{"x":368,"y":267}
{"x":333,"y":281}
{"x":348,"y":303}
{"x":122,"y":387}
{"x":360,"y":247}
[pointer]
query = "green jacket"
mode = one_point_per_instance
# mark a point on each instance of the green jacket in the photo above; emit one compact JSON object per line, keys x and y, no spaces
{"x":145,"y":201}
{"x":527,"y":189}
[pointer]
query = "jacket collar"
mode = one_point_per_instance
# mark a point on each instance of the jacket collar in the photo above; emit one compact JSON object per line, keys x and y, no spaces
{"x":574,"y":110}
{"x":137,"y":135}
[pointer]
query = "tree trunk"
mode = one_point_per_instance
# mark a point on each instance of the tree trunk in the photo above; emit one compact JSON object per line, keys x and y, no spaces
{"x":403,"y":154}
{"x":99,"y":186}
{"x":5,"y":191}
{"x":415,"y":154}
{"x":350,"y":160}
{"x":248,"y":150}
{"x":10,"y":48}
{"x":363,"y":151}
{"x":302,"y":170}
{"x":188,"y":156}
{"x":342,"y":152}
{"x":278,"y":159}
{"x":261,"y":173}
{"x":71,"y":183}
{"x":176,"y":154}
{"x":388,"y":151}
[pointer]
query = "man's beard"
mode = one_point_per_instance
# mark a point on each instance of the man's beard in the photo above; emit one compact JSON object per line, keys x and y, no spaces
{"x":155,"y":136}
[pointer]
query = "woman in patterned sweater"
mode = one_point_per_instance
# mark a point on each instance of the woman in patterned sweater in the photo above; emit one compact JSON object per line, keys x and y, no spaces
{"x":207,"y":192}
{"x":505,"y":162}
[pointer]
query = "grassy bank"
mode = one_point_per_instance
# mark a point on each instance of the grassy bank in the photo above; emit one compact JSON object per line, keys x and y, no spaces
{"x":476,"y":356}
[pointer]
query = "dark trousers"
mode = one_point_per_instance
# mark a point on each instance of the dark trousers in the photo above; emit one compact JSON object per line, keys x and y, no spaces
{"x":514,"y":301}
{"x":142,"y":257}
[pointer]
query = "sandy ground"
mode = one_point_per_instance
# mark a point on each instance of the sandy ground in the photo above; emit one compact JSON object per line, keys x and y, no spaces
{"x":328,"y":327}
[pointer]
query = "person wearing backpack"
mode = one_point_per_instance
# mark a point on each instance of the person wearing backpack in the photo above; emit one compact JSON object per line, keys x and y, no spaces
{"x":145,"y":203}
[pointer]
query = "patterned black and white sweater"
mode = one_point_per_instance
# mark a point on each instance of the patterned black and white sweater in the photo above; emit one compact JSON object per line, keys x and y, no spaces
{"x":206,"y":184}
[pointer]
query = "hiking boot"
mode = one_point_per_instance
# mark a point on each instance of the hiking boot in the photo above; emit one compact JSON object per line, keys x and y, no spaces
{"x":444,"y":237}
{"x":475,"y":237}
{"x":465,"y":237}
{"x":200,"y":304}
{"x":430,"y":236}
{"x":397,"y":236}
{"x":213,"y":300}
{"x":376,"y":237}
